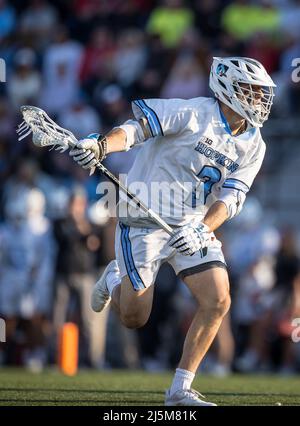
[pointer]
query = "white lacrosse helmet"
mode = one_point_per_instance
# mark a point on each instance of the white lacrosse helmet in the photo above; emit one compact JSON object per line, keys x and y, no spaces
{"x":232,"y":81}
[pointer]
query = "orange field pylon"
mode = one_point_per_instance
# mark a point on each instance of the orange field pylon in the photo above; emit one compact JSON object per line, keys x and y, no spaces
{"x":68,"y":348}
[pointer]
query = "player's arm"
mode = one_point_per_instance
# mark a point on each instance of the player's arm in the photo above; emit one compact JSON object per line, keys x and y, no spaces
{"x":152,"y":118}
{"x":216,"y":215}
{"x":95,"y":147}
{"x":235,"y":188}
{"x":124,"y":137}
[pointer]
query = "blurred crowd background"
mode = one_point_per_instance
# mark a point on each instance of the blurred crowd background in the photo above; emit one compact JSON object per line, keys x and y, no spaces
{"x":84,"y":61}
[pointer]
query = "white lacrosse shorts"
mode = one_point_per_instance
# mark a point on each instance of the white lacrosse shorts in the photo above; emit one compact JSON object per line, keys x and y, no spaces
{"x":141,"y":251}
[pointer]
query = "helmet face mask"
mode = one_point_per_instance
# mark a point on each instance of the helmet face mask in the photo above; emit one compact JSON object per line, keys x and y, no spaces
{"x":256,"y":101}
{"x":244,"y":85}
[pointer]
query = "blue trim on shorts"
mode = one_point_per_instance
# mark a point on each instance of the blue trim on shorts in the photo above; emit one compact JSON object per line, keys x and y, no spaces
{"x":132,"y":272}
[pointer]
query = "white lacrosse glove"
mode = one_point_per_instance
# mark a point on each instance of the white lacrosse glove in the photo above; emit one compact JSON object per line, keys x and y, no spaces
{"x":190,"y":238}
{"x":89,"y":151}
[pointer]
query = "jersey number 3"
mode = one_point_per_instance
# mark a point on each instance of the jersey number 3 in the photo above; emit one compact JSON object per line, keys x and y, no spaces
{"x":209,"y":176}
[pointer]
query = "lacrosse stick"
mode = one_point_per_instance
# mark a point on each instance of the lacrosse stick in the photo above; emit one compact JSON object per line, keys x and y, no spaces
{"x":47,"y":133}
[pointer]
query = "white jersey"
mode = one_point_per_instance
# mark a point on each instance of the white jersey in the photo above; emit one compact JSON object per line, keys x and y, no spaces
{"x":192,"y":152}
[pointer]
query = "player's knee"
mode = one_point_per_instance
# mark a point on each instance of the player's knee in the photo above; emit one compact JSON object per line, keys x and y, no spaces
{"x":217,"y":306}
{"x":133,"y":320}
{"x":224,"y":305}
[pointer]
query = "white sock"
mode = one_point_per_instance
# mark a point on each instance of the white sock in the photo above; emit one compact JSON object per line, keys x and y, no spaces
{"x":112,"y":280}
{"x":182,"y":380}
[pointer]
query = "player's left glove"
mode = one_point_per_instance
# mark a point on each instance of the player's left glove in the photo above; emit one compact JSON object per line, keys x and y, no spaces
{"x":191,"y":238}
{"x":88,"y":151}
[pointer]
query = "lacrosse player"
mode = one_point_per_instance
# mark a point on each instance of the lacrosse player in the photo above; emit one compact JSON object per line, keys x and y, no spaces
{"x":214,"y":143}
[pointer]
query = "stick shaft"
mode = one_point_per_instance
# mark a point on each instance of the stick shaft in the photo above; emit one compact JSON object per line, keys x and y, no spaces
{"x":134,"y":198}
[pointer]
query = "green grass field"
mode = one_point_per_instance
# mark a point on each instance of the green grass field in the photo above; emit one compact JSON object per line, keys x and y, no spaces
{"x":123,"y":388}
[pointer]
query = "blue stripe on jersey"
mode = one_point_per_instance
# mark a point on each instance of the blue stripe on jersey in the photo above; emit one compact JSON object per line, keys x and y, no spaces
{"x":128,"y":258}
{"x":137,"y":104}
{"x":154,"y":116}
{"x":150,"y":118}
{"x":153,"y":121}
{"x":236,"y":184}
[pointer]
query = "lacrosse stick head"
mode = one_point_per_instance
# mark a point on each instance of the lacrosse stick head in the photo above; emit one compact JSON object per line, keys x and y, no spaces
{"x":45,"y":131}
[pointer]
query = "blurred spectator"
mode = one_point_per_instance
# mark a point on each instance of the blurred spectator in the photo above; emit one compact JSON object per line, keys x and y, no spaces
{"x":289,"y":90}
{"x":81,"y":119}
{"x":24,"y":84}
{"x":253,"y":237}
{"x":193,"y":44}
{"x":41,"y":290}
{"x":170,"y":21}
{"x":17,"y":262}
{"x":61,"y":72}
{"x":27,"y":176}
{"x":290,"y":17}
{"x":228,"y":45}
{"x":27,"y":270}
{"x":112,"y":104}
{"x":252,"y":304}
{"x":265,"y":49}
{"x":38,"y":21}
{"x":150,"y":81}
{"x":130,"y":57}
{"x":98,"y":56}
{"x":274,"y":323}
{"x":186,"y":80}
{"x":286,"y":293}
{"x":7,"y":19}
{"x":7,"y":120}
{"x":242,"y":18}
{"x":208,"y":17}
{"x":78,"y":259}
{"x":8,"y":150}
{"x":250,"y":254}
{"x":80,"y":177}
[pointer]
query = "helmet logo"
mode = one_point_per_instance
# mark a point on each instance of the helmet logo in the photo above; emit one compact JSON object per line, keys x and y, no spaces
{"x":221,"y":70}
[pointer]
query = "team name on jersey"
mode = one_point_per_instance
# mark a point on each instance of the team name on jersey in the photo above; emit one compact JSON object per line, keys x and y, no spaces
{"x":215,"y":155}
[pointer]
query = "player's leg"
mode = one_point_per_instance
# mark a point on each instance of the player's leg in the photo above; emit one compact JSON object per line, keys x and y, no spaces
{"x":138,"y":255}
{"x":128,"y":281}
{"x":210,"y":288}
{"x":224,"y":348}
{"x":133,"y":306}
{"x":205,"y":274}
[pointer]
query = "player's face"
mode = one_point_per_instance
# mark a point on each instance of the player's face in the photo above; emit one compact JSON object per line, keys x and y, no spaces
{"x":253,"y":94}
{"x":255,"y":100}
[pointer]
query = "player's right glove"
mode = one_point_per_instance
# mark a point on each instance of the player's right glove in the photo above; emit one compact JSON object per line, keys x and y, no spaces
{"x":190,"y":238}
{"x":88,"y":151}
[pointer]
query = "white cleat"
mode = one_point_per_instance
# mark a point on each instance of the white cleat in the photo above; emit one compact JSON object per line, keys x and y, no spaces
{"x":100,"y":295}
{"x":186,"y":397}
